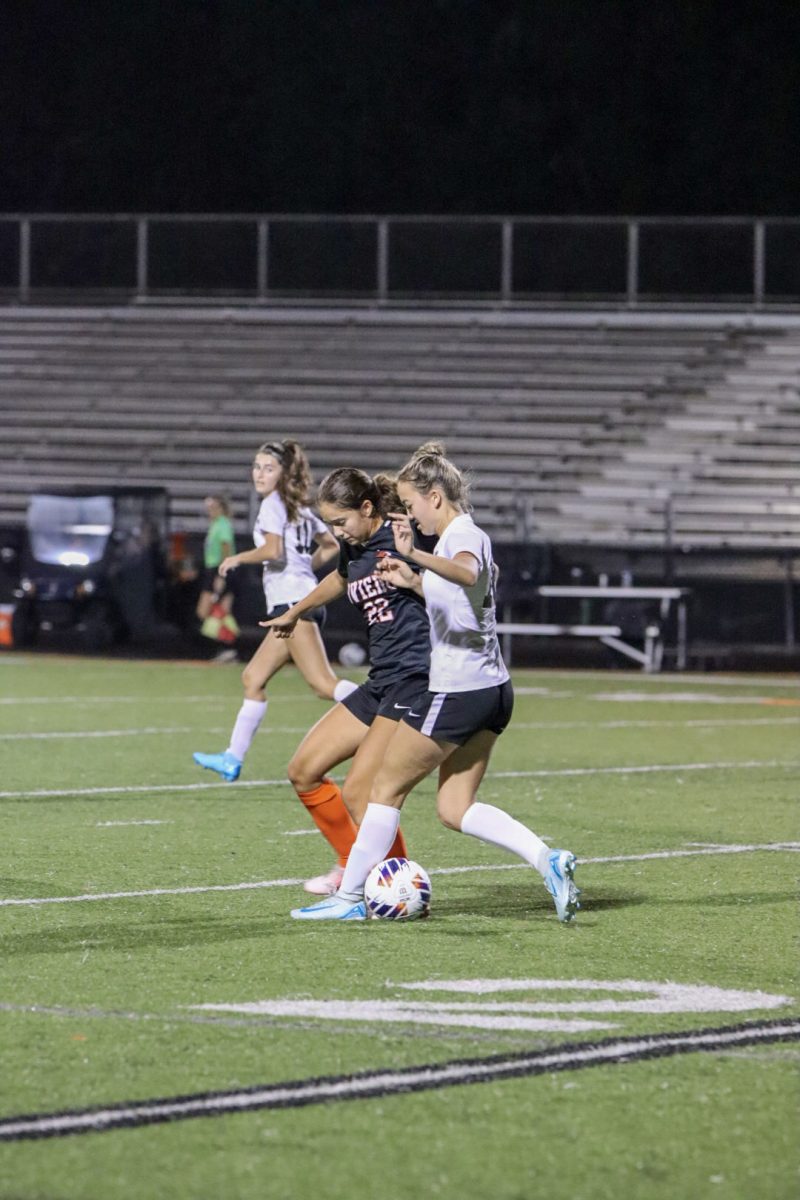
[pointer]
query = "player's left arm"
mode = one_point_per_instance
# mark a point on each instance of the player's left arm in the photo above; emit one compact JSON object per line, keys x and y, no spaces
{"x":399,"y":573}
{"x":463,"y":568}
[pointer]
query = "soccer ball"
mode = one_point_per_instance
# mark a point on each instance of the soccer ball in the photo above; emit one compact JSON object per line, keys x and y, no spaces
{"x":398,"y":890}
{"x":352,"y":654}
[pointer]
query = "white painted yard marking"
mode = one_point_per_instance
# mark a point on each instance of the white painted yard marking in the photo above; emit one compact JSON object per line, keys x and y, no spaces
{"x":666,"y":997}
{"x":652,"y":998}
{"x":544,"y":773}
{"x":415,"y":1013}
{"x":299,"y":832}
{"x":24,"y":902}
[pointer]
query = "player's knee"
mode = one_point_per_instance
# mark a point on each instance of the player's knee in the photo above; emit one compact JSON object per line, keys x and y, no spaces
{"x":355,"y":801}
{"x":449,"y":816}
{"x":252,"y":682}
{"x":300,"y":777}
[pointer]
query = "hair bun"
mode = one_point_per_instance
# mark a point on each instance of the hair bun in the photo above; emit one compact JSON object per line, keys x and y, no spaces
{"x":430,"y":450}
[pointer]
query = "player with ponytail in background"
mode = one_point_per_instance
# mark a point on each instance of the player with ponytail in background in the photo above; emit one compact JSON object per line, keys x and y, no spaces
{"x":291,"y":543}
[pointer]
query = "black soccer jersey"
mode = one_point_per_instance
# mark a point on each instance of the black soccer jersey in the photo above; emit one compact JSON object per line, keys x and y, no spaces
{"x":397,"y":621}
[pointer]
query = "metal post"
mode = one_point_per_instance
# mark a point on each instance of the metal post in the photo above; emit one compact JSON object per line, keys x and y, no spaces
{"x":759,"y":263}
{"x":506,"y":260}
{"x":141,"y":257}
{"x":669,"y":529}
{"x":262,"y":262}
{"x":632,"y":283}
{"x":24,"y":260}
{"x":382,"y":260}
{"x":788,"y":605}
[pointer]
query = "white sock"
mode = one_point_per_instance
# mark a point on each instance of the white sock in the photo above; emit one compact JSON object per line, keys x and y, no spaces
{"x":492,"y":825}
{"x":375,"y":836}
{"x":343,"y":689}
{"x":251,"y":714}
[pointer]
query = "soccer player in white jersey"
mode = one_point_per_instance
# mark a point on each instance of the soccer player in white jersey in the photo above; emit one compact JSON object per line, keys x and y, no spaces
{"x":455,"y":723}
{"x":291,"y":542}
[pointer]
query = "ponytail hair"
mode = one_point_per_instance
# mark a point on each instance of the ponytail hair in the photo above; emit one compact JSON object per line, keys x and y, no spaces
{"x":348,"y":488}
{"x":294,"y":485}
{"x":429,"y":468}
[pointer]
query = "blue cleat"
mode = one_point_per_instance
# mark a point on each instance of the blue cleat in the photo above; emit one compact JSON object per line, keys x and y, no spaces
{"x":560,"y":884}
{"x":227,"y":765}
{"x":332,"y":908}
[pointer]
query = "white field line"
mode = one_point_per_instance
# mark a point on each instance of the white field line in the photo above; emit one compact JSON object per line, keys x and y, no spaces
{"x":689,"y":698}
{"x":677,"y":677}
{"x":198,"y":730}
{"x":699,"y":852}
{"x":648,"y":769}
{"x":114,"y":824}
{"x":554,"y":773}
{"x":96,"y":733}
{"x":699,"y":723}
{"x":215,"y":698}
{"x":403,"y":1081}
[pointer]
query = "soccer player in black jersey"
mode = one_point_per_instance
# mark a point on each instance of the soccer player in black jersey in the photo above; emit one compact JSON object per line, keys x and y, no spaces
{"x":453,"y":724}
{"x":354,"y":506}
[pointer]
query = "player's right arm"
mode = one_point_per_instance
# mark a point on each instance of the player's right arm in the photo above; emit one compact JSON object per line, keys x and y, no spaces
{"x":330,"y":588}
{"x":271,"y":551}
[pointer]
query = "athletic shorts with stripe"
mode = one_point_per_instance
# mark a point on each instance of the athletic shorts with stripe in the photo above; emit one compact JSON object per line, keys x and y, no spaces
{"x":456,"y":716}
{"x":391,"y":700}
{"x":316,"y":614}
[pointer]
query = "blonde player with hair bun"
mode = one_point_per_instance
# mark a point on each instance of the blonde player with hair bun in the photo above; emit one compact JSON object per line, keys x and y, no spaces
{"x":454,"y":723}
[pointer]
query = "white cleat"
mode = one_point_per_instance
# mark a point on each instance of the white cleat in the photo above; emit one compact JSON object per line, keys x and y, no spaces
{"x":332,"y":908}
{"x":560,"y":884}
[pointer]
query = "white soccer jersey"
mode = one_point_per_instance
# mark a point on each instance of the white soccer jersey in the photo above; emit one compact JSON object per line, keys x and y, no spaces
{"x":291,"y":578}
{"x":465,"y":652}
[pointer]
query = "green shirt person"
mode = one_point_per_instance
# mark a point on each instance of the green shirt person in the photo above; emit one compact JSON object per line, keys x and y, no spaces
{"x":218,"y":544}
{"x":219,"y":539}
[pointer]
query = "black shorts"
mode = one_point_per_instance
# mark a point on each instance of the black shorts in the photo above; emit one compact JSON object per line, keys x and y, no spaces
{"x":391,"y":700}
{"x":456,"y":716}
{"x":316,"y":614}
{"x":209,"y":581}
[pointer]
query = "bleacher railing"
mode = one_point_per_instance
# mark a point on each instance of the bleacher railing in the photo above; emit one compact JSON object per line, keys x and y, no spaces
{"x":741,"y":262}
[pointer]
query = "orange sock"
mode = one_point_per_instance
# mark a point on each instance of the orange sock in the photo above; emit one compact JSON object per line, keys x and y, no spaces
{"x":327,"y":810}
{"x":398,"y":849}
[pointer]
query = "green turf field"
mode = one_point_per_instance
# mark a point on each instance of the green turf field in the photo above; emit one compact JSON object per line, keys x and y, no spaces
{"x":147,"y":953}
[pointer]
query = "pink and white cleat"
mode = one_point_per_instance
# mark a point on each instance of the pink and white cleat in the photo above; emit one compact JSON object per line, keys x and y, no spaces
{"x":325,"y":885}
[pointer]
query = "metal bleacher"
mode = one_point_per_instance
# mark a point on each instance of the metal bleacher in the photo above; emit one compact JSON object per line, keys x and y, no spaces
{"x":575,"y":430}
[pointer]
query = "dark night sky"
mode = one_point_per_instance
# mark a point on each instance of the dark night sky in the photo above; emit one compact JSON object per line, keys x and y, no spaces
{"x":544,"y":106}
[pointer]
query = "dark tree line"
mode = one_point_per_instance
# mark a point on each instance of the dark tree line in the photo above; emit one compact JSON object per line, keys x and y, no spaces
{"x":517,"y":106}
